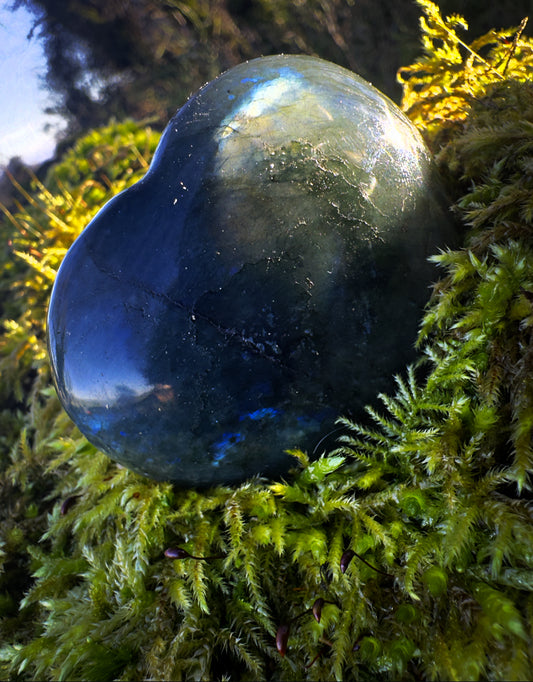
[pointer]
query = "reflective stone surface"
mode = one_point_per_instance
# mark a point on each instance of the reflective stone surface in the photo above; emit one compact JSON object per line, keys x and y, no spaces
{"x":266,"y":276}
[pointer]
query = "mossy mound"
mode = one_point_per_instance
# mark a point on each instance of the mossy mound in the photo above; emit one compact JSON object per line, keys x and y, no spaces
{"x":404,"y":554}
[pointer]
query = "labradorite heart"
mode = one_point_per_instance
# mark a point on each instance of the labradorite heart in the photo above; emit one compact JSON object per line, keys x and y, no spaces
{"x":266,"y":275}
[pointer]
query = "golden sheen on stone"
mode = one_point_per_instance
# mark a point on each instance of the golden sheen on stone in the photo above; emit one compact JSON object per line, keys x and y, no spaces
{"x":266,"y":276}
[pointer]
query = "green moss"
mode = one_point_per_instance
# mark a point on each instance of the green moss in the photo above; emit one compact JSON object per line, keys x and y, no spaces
{"x":404,"y":554}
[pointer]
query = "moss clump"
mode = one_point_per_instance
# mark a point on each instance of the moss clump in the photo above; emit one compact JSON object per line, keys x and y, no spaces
{"x":404,"y":554}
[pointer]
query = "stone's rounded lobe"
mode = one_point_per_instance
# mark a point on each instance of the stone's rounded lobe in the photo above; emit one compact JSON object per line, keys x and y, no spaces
{"x":266,"y":275}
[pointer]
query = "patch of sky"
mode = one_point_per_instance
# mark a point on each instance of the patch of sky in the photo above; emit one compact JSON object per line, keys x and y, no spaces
{"x":25,"y":129}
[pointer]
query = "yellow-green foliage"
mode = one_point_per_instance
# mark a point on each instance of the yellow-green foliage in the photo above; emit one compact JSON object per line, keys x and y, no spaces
{"x":440,"y":89}
{"x":404,"y":554}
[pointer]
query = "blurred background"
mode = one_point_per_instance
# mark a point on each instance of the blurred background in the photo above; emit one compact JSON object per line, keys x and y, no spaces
{"x":69,"y":65}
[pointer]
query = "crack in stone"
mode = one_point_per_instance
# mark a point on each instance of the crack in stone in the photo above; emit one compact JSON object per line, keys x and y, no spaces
{"x":247,"y":342}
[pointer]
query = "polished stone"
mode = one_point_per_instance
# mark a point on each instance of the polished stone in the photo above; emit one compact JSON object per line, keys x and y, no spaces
{"x":265,"y":276}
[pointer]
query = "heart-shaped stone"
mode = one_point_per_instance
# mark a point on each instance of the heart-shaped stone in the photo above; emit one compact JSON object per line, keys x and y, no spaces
{"x":265,"y":276}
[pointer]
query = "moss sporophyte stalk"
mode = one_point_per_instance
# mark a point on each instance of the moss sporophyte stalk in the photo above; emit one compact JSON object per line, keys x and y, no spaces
{"x":111,"y":576}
